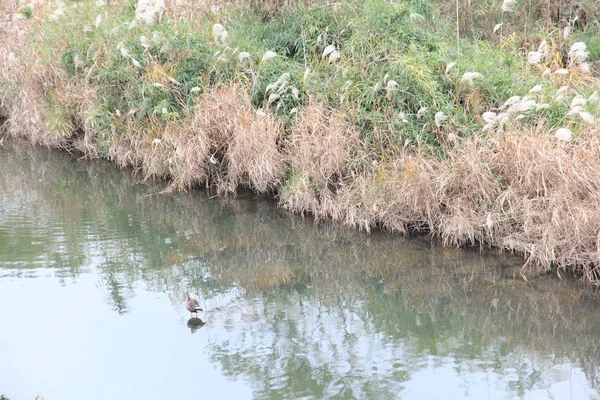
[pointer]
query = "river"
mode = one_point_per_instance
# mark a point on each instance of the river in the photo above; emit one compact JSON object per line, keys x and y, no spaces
{"x":95,"y":265}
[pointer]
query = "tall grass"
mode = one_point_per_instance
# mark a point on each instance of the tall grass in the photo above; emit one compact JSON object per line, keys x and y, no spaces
{"x":367,"y":112}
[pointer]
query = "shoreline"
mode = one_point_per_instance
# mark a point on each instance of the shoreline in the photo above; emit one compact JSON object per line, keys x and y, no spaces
{"x":195,"y":110}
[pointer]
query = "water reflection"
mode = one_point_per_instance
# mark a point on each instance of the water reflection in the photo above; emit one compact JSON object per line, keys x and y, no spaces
{"x":293,"y":309}
{"x":194,"y":324}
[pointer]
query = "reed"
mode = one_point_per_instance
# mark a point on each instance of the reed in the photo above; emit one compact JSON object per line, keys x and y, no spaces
{"x":365,"y":112}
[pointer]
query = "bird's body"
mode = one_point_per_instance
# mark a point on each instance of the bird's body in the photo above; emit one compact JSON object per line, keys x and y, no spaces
{"x":192,"y":304}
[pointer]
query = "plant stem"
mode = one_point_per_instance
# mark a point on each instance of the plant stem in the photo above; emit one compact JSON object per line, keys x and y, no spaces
{"x":457,"y":26}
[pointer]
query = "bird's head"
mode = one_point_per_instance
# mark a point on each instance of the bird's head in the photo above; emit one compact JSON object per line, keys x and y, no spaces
{"x":191,"y":296}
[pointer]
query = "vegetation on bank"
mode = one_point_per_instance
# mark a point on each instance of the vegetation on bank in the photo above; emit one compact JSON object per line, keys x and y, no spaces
{"x":477,"y":123}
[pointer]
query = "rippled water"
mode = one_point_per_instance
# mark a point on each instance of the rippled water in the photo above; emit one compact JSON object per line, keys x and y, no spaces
{"x":95,"y":264}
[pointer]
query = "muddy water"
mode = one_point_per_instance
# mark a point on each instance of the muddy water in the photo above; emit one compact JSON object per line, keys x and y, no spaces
{"x":95,"y":264}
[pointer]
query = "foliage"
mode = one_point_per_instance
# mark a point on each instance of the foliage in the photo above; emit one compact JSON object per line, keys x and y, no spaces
{"x":315,"y":99}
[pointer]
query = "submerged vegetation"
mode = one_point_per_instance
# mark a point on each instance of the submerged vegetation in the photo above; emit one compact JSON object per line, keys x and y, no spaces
{"x":475,"y":122}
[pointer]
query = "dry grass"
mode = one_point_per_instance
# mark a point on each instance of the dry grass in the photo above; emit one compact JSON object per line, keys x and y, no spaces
{"x":29,"y":116}
{"x":318,"y":149}
{"x":224,"y":142}
{"x":26,"y":82}
{"x":253,"y":155}
{"x":525,"y":192}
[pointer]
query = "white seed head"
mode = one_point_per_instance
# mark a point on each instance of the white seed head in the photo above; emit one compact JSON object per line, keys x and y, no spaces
{"x":536,"y":89}
{"x":587,"y":117}
{"x":527,"y":105}
{"x":564,"y":134}
{"x":439,"y":118}
{"x":284,"y":78}
{"x":542,"y":106}
{"x":269,"y":55}
{"x":574,"y":110}
{"x":562,"y":89}
{"x":507,"y":5}
{"x":148,"y":10}
{"x":217,"y":30}
{"x":244,"y":55}
{"x":534,"y":57}
{"x":146,"y":43}
{"x":503,"y":117}
{"x":469,"y":76}
{"x":449,"y":67}
{"x":223,"y":37}
{"x":270,"y":87}
{"x":489,"y":117}
{"x":578,"y":100}
{"x":392,"y":85}
{"x":578,"y":52}
{"x":328,"y":50}
{"x":511,"y":100}
{"x":334,"y":56}
{"x":585,"y":68}
{"x":543,"y":47}
{"x":487,"y":128}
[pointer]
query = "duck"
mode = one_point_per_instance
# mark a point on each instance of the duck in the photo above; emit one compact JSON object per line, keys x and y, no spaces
{"x":192,"y":305}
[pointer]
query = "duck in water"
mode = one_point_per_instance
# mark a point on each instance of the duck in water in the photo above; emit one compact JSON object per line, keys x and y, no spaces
{"x":192,"y":305}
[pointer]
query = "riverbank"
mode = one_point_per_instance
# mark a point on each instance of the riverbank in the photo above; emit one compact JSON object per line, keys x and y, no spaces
{"x":480,"y":130}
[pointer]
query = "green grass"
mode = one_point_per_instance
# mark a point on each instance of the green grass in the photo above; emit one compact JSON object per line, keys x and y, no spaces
{"x":407,"y":42}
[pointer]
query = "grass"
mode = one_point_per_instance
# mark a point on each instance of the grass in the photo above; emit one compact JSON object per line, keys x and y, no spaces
{"x":400,"y":115}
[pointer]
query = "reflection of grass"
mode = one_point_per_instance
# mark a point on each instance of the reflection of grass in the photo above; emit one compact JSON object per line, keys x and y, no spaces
{"x":265,"y":277}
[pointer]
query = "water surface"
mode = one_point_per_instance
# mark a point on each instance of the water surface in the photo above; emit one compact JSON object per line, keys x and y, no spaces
{"x":95,"y":264}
